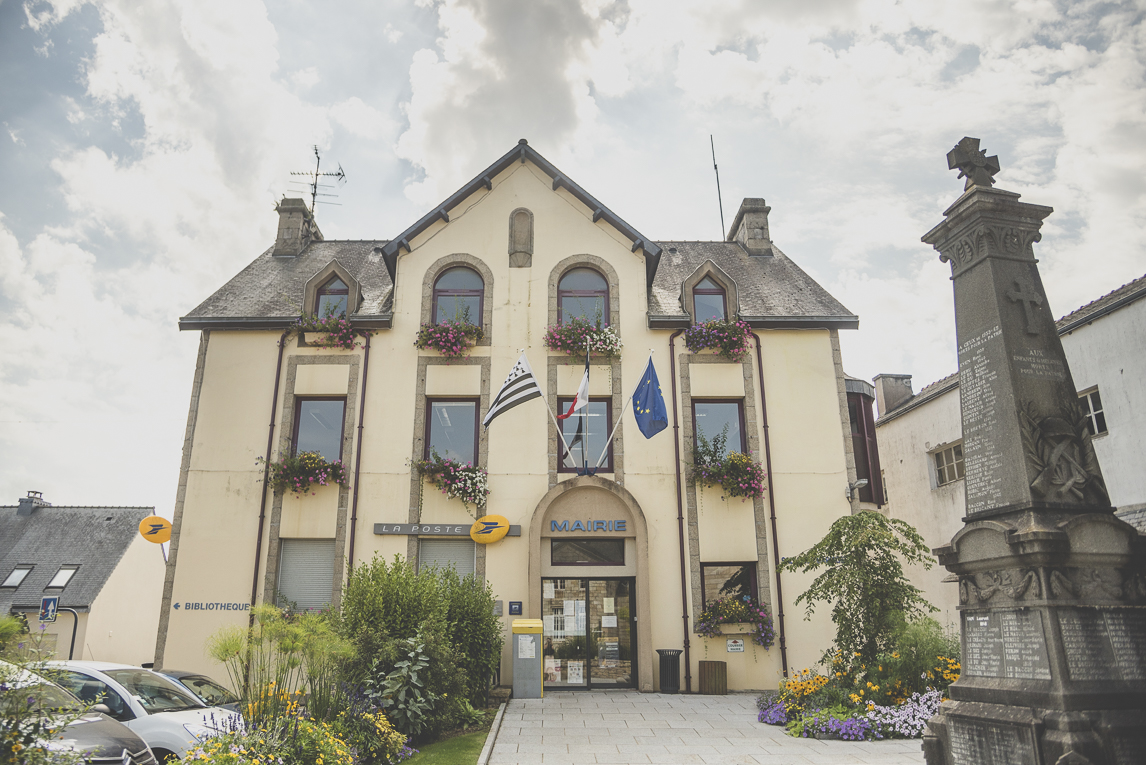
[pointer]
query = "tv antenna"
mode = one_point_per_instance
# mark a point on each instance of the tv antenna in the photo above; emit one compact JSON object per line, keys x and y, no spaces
{"x":316,"y":176}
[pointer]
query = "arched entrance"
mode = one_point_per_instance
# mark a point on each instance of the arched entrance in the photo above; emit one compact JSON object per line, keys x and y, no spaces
{"x":588,"y":573}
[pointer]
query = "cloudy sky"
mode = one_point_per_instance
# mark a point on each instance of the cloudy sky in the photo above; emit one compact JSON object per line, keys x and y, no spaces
{"x":144,"y":143}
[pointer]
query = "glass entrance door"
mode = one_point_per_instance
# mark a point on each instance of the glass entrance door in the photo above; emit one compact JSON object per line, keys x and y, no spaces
{"x":588,"y":633}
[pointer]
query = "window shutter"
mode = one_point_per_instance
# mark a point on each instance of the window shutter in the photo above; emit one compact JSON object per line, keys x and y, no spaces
{"x":458,"y":553}
{"x":306,"y":572}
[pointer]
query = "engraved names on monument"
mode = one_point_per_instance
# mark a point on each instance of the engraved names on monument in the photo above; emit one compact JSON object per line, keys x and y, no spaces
{"x":1104,"y":644}
{"x":987,"y":744}
{"x":979,"y":361}
{"x":1006,"y":643}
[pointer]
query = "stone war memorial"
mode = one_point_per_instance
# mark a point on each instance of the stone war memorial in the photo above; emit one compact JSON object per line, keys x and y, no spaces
{"x":1052,"y":586}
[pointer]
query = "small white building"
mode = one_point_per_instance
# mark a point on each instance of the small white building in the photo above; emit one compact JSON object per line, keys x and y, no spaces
{"x":920,"y":435}
{"x":107,"y":577}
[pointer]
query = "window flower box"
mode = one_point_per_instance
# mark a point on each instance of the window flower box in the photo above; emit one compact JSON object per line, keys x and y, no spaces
{"x":736,"y":473}
{"x":327,"y":332}
{"x":456,"y":480}
{"x":452,"y":339}
{"x":742,"y":616}
{"x":578,"y":333}
{"x":729,"y":338}
{"x":302,"y":472}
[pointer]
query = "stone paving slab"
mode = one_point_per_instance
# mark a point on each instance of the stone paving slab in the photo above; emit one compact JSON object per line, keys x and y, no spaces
{"x":630,"y":728}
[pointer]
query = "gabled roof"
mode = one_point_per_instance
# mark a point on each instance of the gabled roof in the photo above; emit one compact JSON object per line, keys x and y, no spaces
{"x":520,"y":153}
{"x":267,"y":294}
{"x":1112,"y":301}
{"x":94,"y":538}
{"x":773,"y":291}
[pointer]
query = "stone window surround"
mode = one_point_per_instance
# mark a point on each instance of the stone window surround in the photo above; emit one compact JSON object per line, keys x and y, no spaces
{"x":286,"y":438}
{"x":440,"y":266}
{"x":333,"y":268}
{"x":616,"y":402}
{"x":418,"y":446}
{"x":716,"y":273}
{"x":760,"y":516}
{"x":597,"y":264}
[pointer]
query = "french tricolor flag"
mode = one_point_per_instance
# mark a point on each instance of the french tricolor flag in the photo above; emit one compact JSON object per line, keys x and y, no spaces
{"x":582,"y":397}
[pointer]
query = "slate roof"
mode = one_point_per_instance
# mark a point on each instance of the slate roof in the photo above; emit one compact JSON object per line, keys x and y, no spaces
{"x":95,"y":538}
{"x":268,"y":292}
{"x":1112,"y":301}
{"x":773,"y":291}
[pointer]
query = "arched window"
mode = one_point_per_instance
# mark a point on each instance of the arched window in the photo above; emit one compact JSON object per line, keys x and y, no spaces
{"x":708,"y":301}
{"x":583,"y":292}
{"x":331,"y":298}
{"x":458,"y":295}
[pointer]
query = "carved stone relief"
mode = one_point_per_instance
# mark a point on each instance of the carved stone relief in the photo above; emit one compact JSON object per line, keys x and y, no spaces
{"x":520,"y":238}
{"x":1015,"y":584}
{"x":1062,"y":457}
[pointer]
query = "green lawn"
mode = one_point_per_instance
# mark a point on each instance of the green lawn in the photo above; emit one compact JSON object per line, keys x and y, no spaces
{"x":460,"y":750}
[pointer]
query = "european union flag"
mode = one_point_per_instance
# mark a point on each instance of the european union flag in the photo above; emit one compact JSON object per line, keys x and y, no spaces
{"x":649,"y":404}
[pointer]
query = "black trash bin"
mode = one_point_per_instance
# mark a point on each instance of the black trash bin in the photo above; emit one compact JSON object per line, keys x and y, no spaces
{"x":670,"y":670}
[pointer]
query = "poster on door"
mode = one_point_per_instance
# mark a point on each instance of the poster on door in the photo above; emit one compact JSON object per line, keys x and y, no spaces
{"x":576,"y":671}
{"x":553,"y":670}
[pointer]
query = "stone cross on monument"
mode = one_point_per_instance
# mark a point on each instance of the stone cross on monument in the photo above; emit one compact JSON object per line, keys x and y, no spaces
{"x":1052,"y":586}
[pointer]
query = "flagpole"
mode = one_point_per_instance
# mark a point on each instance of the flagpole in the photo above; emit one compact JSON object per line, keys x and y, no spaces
{"x":619,"y":418}
{"x":545,"y":400}
{"x":585,"y":419}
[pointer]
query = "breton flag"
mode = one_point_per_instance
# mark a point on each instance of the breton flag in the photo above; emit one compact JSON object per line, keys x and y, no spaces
{"x":581,"y":400}
{"x":649,"y":404}
{"x":519,"y":387}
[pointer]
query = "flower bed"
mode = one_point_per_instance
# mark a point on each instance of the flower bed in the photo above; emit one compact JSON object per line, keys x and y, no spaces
{"x":573,"y":336}
{"x":303,"y":471}
{"x":736,"y":473}
{"x":746,"y":610}
{"x":452,"y":339}
{"x":465,"y":482}
{"x":335,"y":330}
{"x":728,"y":337}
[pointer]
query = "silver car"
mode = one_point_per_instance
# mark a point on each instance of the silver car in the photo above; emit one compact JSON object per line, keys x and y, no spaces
{"x":165,"y":715}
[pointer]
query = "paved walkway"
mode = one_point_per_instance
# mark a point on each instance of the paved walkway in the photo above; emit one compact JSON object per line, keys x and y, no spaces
{"x":626,"y":727}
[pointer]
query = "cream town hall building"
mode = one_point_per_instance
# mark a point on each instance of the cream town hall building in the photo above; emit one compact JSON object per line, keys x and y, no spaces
{"x":518,"y":249}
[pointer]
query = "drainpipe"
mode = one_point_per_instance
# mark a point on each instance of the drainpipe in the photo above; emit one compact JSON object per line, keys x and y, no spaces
{"x":358,"y":453}
{"x":680,"y":514}
{"x":266,"y":474}
{"x":772,"y":507}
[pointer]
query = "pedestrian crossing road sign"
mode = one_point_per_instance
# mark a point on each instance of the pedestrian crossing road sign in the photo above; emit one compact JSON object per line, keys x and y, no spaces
{"x":49,"y":604}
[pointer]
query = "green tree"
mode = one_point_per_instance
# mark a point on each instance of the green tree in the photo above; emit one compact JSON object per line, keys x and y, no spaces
{"x":863,"y":579}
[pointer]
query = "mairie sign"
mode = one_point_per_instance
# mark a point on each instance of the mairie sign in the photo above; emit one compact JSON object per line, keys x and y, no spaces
{"x":489,"y":529}
{"x":618,"y":525}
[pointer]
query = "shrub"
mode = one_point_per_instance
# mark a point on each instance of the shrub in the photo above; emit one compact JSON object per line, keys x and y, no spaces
{"x":452,"y":339}
{"x":457,"y":481}
{"x":744,"y":609}
{"x":300,"y":472}
{"x":291,"y":740}
{"x":474,"y":631}
{"x":863,"y":579}
{"x":401,"y":692}
{"x":578,"y":333}
{"x":371,"y":736}
{"x":728,"y":337}
{"x":737,"y":474}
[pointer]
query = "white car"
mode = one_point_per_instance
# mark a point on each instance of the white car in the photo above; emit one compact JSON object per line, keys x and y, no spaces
{"x":164,"y":715}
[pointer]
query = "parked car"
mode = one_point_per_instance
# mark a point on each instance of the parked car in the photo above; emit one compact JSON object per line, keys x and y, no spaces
{"x":210,"y":692}
{"x":100,"y":739}
{"x":165,"y":715}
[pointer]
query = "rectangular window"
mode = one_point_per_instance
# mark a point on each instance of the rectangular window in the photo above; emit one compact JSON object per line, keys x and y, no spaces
{"x":16,"y":578}
{"x":587,"y":552}
{"x":459,"y":554}
{"x":949,"y":465}
{"x":727,"y":580}
{"x":586,"y":432}
{"x":62,"y":577}
{"x":1095,"y":417}
{"x":451,"y":429}
{"x":318,"y":426}
{"x":306,"y":573}
{"x":723,"y":420}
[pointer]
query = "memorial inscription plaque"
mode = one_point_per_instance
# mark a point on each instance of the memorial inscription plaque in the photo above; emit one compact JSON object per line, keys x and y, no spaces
{"x":979,"y":361}
{"x":973,"y":741}
{"x":1009,"y":643}
{"x":1104,"y":643}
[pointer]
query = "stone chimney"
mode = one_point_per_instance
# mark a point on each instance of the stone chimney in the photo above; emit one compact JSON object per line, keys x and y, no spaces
{"x":750,"y":227}
{"x":297,"y":228}
{"x":30,"y":503}
{"x":891,"y":391}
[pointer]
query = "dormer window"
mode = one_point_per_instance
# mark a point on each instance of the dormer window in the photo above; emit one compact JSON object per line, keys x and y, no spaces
{"x":62,"y":577}
{"x":331,"y":298}
{"x":16,"y":578}
{"x":708,"y":301}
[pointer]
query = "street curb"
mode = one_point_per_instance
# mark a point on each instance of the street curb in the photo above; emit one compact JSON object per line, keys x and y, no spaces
{"x":487,"y":750}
